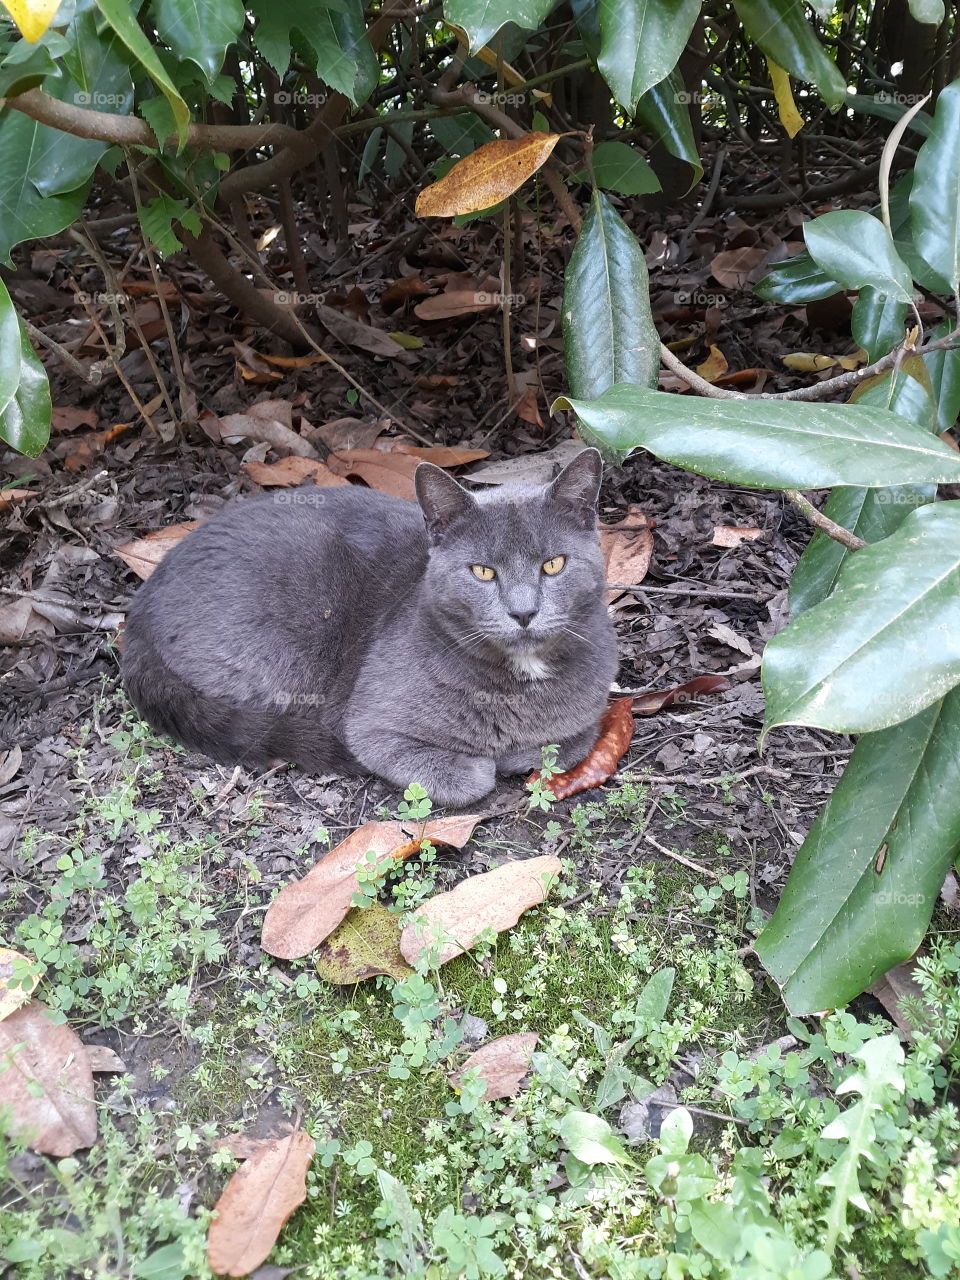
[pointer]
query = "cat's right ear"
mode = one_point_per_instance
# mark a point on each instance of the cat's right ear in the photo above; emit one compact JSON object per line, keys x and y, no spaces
{"x":441,"y":499}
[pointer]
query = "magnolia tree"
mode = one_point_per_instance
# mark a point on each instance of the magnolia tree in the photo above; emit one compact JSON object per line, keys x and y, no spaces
{"x":185,"y":110}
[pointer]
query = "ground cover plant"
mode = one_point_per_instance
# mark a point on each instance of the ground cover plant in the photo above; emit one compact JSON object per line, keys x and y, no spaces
{"x":615,"y":1023}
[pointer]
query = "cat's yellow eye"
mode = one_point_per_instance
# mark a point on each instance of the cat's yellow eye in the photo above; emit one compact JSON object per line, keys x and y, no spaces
{"x":483,"y":572}
{"x":552,"y":567}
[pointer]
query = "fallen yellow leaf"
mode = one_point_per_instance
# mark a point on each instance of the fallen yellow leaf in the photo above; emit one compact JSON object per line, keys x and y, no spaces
{"x":486,"y":176}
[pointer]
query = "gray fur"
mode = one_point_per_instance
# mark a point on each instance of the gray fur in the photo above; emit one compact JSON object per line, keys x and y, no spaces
{"x":345,"y":630}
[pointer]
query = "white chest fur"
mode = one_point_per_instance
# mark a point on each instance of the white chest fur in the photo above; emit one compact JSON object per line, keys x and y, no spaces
{"x":530,"y":665}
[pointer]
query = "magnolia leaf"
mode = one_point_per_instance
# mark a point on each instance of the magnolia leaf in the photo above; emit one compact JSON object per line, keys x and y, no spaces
{"x":486,"y":176}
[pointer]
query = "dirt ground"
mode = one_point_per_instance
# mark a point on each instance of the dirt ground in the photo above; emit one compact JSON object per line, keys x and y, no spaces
{"x":701,"y":609}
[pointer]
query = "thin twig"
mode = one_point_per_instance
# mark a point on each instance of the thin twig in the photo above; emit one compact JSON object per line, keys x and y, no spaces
{"x":92,"y":374}
{"x":833,"y":530}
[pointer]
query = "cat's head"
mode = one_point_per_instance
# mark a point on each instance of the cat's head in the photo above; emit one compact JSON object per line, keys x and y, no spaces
{"x":518,"y":567}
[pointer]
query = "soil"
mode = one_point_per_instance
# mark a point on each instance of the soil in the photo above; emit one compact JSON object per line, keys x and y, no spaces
{"x":701,"y":609}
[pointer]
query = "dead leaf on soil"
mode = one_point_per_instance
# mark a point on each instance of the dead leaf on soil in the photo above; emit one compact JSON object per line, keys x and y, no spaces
{"x":739,"y":268}
{"x":715,"y":365}
{"x":13,"y":497}
{"x":104,"y":1061}
{"x":13,"y":996}
{"x":357,"y":334}
{"x":731,"y":535}
{"x":306,"y":911}
{"x":645,"y":704}
{"x":457,"y":302}
{"x":85,"y":450}
{"x":390,"y":473}
{"x":897,"y":985}
{"x":627,"y":548}
{"x":143,"y":555}
{"x":493,"y":900}
{"x":256,"y":1202}
{"x":614,"y":736}
{"x":486,"y":176}
{"x":502,"y":1064}
{"x":10,"y":763}
{"x":402,"y":291}
{"x":291,"y":471}
{"x":454,"y":831}
{"x":365,"y":942}
{"x":47,"y":1084}
{"x":439,"y":454}
{"x":66,"y":418}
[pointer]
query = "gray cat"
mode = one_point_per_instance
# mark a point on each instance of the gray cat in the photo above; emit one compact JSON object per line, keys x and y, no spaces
{"x":355,"y":633}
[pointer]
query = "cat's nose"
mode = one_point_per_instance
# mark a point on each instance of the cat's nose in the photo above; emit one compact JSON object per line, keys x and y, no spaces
{"x":525,"y":618}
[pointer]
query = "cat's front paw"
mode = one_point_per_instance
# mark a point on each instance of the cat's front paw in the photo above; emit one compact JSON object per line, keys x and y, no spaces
{"x":461,"y":780}
{"x":520,"y":761}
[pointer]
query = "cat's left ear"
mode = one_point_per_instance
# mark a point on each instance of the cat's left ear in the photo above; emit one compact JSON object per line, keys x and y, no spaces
{"x":441,"y":499}
{"x":577,"y":487}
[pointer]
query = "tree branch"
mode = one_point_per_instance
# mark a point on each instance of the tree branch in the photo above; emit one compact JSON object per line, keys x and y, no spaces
{"x":833,"y":530}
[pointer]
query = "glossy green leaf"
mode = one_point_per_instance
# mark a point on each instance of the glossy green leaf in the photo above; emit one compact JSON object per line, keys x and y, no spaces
{"x":781,"y":30}
{"x":886,"y":642}
{"x":935,"y":194}
{"x":9,"y":348}
{"x":25,"y":214}
{"x":335,"y":40}
{"x":770,"y":444}
{"x":928,"y":11}
{"x":856,"y":249}
{"x":865,"y":880}
{"x":199,"y":33}
{"x":884,"y":106}
{"x":25,"y":67}
{"x":482,"y":19}
{"x":944,"y":367}
{"x":608,"y":330}
{"x":641,"y":42}
{"x":25,"y":421}
{"x":665,"y":110}
{"x":797,"y":279}
{"x":872,"y":514}
{"x":99,"y":79}
{"x":877,"y":322}
{"x":619,"y":167}
{"x":121,"y":17}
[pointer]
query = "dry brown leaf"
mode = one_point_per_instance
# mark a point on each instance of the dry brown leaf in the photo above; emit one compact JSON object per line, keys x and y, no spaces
{"x":13,"y":497}
{"x":614,"y":736}
{"x":494,"y":900}
{"x":457,"y":302}
{"x":502,"y":1064}
{"x":305,"y":911}
{"x":402,"y":291}
{"x":390,"y":473}
{"x":527,"y":409}
{"x":895,"y":986}
{"x":715,"y":365}
{"x":256,"y":1202}
{"x":84,"y":452}
{"x":346,"y":433}
{"x":486,"y":176}
{"x":47,"y":1084}
{"x":143,"y":555}
{"x":645,"y":704}
{"x":10,"y":763}
{"x":357,"y":334}
{"x":261,"y":422}
{"x":731,"y":535}
{"x":67,"y":418}
{"x":12,"y":997}
{"x":627,"y":548}
{"x":103,"y":1060}
{"x":292,"y":471}
{"x":292,"y":362}
{"x":739,"y":268}
{"x":454,"y":831}
{"x":440,"y":455}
